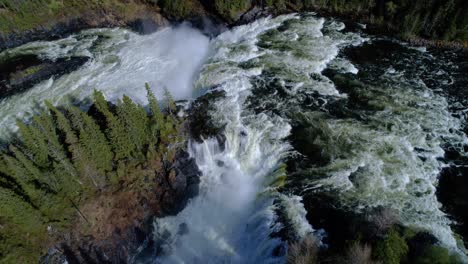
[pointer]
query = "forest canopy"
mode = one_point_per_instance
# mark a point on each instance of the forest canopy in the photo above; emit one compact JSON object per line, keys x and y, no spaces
{"x":65,"y":157}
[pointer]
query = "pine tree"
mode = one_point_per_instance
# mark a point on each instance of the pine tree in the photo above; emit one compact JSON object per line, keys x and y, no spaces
{"x":155,"y":123}
{"x":34,"y":173}
{"x":155,"y":109}
{"x":171,"y":105}
{"x":119,"y":138}
{"x":79,"y":157}
{"x":23,"y":177}
{"x":34,"y":143}
{"x":136,"y":123}
{"x":56,"y":149}
{"x":93,"y":155}
{"x":14,"y":209}
{"x":63,"y":157}
{"x":64,"y":125}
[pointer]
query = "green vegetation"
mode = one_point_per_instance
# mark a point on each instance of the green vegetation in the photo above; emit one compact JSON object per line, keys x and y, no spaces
{"x":395,"y":248}
{"x":231,"y":9}
{"x":178,"y":8}
{"x":437,"y":255}
{"x":25,"y":73}
{"x":392,"y":248}
{"x":434,"y":19}
{"x":21,"y":15}
{"x":65,"y":158}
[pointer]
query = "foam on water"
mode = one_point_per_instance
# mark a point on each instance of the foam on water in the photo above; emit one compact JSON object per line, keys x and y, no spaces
{"x":385,"y":150}
{"x":121,"y":62}
{"x":389,"y":156}
{"x":233,"y":219}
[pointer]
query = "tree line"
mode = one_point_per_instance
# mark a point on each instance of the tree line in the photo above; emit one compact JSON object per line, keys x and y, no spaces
{"x":65,"y":156}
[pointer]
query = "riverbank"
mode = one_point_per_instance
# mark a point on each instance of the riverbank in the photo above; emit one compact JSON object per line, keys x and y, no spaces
{"x":27,"y":21}
{"x":24,"y":21}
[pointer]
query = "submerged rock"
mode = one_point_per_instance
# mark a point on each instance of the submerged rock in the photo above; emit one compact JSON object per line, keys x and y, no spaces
{"x":201,"y":125}
{"x":24,"y":71}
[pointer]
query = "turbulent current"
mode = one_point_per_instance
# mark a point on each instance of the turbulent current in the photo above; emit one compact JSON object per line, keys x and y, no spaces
{"x":385,"y":152}
{"x":121,"y":62}
{"x":371,"y":130}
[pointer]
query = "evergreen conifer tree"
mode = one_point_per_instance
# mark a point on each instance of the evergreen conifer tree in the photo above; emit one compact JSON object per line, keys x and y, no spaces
{"x":136,"y":123}
{"x":119,"y":138}
{"x":93,"y":155}
{"x":34,"y":143}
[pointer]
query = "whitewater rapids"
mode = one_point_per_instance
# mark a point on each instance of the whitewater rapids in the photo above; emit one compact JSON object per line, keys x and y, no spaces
{"x":268,"y":70}
{"x":387,"y":152}
{"x":121,"y":62}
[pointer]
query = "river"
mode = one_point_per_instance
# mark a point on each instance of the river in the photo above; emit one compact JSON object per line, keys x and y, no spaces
{"x":368,"y":119}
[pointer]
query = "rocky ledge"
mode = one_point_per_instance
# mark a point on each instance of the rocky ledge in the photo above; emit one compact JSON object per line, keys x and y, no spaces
{"x":22,"y":72}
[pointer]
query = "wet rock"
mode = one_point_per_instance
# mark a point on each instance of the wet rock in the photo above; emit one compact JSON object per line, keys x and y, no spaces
{"x":144,"y":25}
{"x":183,"y":179}
{"x":201,"y":125}
{"x":253,"y":14}
{"x":146,"y":22}
{"x":59,"y":30}
{"x":208,"y":25}
{"x":452,"y":193}
{"x":419,"y":243}
{"x":116,"y":249}
{"x":22,"y":72}
{"x":341,"y":225}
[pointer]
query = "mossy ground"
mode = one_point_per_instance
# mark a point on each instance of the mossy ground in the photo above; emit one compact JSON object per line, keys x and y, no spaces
{"x":23,"y":15}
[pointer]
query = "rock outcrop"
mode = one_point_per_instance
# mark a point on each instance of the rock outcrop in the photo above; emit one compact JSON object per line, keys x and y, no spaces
{"x":22,"y":72}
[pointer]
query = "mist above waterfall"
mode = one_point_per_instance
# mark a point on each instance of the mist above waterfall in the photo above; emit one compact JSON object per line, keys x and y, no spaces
{"x":168,"y":59}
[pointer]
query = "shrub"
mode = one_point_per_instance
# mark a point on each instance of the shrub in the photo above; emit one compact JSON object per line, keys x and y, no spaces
{"x":230,"y":9}
{"x":177,"y":8}
{"x":392,"y":249}
{"x":383,"y":220}
{"x":437,"y":255}
{"x":359,"y":254}
{"x":304,"y":251}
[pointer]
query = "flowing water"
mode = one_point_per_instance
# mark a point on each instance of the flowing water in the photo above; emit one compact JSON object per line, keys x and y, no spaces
{"x":120,"y":63}
{"x":384,"y":152}
{"x":376,"y":127}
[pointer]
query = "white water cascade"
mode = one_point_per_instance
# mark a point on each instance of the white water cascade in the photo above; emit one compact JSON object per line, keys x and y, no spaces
{"x":387,"y":153}
{"x":120,"y":63}
{"x":233,"y":218}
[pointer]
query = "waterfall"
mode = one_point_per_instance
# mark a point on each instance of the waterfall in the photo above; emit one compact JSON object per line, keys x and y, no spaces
{"x":121,"y":62}
{"x":273,"y":68}
{"x":380,"y":130}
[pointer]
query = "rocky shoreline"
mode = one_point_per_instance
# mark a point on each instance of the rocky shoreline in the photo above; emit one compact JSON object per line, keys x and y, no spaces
{"x":204,"y":17}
